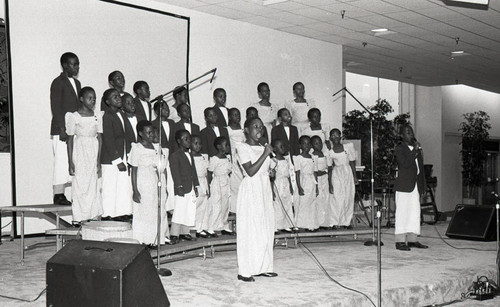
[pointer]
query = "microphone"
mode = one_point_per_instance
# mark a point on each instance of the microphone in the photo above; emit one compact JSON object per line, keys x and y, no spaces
{"x":271,"y":155}
{"x":213,"y":75}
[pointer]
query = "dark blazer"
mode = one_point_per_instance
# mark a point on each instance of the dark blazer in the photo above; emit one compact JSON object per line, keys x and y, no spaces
{"x":208,"y":137}
{"x":167,"y":141}
{"x":221,"y":120}
{"x":407,"y":169}
{"x":140,"y":113}
{"x":129,"y":132}
{"x":195,"y":129}
{"x":183,"y":172}
{"x":113,"y":137}
{"x":292,"y":144}
{"x":63,"y":99}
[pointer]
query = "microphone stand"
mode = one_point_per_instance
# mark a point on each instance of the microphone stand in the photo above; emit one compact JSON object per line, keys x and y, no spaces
{"x":375,"y":240}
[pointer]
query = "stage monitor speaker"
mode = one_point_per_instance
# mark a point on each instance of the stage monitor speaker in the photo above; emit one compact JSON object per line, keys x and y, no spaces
{"x":473,"y":222}
{"x":92,"y":273}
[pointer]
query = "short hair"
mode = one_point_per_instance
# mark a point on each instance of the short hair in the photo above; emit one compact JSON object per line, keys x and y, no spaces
{"x":126,"y":95}
{"x":107,"y":93}
{"x":158,"y":104}
{"x":304,"y":137}
{"x":232,"y":110}
{"x":178,"y":108}
{"x":205,"y":112}
{"x":220,"y":89}
{"x":276,"y":141}
{"x":84,"y":91}
{"x":250,"y":109}
{"x":403,"y":127}
{"x":112,"y":74}
{"x":281,"y":111}
{"x":180,"y":133}
{"x":335,"y":130}
{"x":261,"y":85}
{"x":315,"y":137}
{"x":66,"y":56}
{"x":219,"y":141}
{"x":311,"y":111}
{"x":297,"y":84}
{"x":249,"y":121}
{"x":143,"y":124}
{"x":195,"y":136}
{"x":138,"y":85}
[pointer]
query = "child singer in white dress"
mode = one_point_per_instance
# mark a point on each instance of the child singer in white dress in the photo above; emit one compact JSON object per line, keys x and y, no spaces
{"x":322,"y":204}
{"x":236,"y":135}
{"x":255,"y":212}
{"x":282,"y":188}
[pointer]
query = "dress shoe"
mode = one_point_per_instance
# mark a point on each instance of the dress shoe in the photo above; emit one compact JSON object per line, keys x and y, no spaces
{"x":268,"y":274}
{"x":417,"y":245}
{"x":76,"y":224}
{"x":60,"y":199}
{"x":402,"y":246}
{"x":186,"y":237}
{"x":168,"y":241}
{"x":202,"y":235}
{"x":227,"y":232}
{"x":243,"y":278}
{"x":212,"y":234}
{"x":174,"y":240}
{"x":287,"y":230}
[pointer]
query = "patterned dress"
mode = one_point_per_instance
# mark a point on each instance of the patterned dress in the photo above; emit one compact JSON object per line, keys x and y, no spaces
{"x":85,"y":183}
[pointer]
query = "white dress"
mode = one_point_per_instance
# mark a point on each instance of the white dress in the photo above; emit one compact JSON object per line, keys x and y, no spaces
{"x":322,"y":201}
{"x":85,"y":183}
{"x":299,"y":112}
{"x":324,"y":133}
{"x":306,"y":215}
{"x":220,"y":192}
{"x":254,"y":216}
{"x":203,"y":210}
{"x":342,"y":200}
{"x":283,"y":200}
{"x":235,"y":136}
{"x":144,"y":223}
{"x":267,"y":114}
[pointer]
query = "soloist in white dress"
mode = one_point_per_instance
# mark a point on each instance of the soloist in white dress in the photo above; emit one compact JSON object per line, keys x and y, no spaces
{"x":144,"y":223}
{"x":254,"y":216}
{"x":85,"y":183}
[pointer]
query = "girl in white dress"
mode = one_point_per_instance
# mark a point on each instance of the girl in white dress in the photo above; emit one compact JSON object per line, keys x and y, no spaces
{"x":255,"y":212}
{"x":299,"y":106}
{"x":219,"y":170}
{"x":84,"y":129}
{"x":236,"y":135}
{"x":307,"y":186}
{"x":267,"y":111}
{"x":282,"y":188}
{"x":315,"y":127}
{"x":203,"y":210}
{"x":147,"y":166}
{"x":342,"y":179}
{"x":322,"y":203}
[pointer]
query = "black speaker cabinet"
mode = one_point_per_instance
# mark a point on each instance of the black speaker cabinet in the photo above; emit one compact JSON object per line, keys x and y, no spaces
{"x":473,"y":222}
{"x":92,"y":273}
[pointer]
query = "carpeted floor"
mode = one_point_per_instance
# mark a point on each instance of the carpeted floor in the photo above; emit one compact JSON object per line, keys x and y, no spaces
{"x":416,"y":278}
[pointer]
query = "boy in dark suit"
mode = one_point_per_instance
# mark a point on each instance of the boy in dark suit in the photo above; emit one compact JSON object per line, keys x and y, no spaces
{"x":184,"y":112}
{"x":286,"y":132}
{"x":165,"y":125}
{"x":116,"y":80}
{"x":186,"y":182}
{"x":116,"y":185}
{"x":130,"y":122}
{"x":211,"y":132}
{"x":220,"y":107}
{"x":63,"y":99}
{"x":143,"y":109}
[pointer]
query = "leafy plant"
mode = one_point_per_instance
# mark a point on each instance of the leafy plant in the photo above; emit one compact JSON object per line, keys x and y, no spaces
{"x":475,"y":130}
{"x":356,"y":125}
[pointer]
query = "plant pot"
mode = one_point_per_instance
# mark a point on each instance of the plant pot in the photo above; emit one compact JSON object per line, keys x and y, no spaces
{"x":468,"y":201}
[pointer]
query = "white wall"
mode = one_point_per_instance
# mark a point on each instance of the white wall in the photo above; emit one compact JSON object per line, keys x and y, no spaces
{"x":244,"y":55}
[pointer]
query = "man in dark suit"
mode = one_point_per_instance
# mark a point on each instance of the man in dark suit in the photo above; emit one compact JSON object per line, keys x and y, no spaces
{"x":409,"y":186}
{"x":63,"y":98}
{"x":220,"y":107}
{"x":286,"y":132}
{"x":143,"y":109}
{"x":211,"y":132}
{"x":165,"y":125}
{"x":130,"y":121}
{"x":184,"y":112}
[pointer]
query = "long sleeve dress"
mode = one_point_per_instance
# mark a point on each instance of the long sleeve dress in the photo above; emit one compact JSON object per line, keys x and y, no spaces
{"x":306,"y":215}
{"x":144,"y":223}
{"x":254,"y":216}
{"x":342,"y":200}
{"x":85,"y":183}
{"x":283,"y":200}
{"x":220,"y":192}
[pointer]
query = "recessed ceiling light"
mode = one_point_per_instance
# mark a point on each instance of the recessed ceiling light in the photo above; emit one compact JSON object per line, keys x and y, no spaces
{"x":269,"y":2}
{"x":457,"y":52}
{"x":380,"y":30}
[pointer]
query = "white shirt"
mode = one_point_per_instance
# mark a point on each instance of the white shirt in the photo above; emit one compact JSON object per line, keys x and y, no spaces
{"x":133,"y":123}
{"x":216,"y":130}
{"x":166,"y":127}
{"x":287,"y":131}
{"x":225,"y":112}
{"x":188,"y":156}
{"x":187,"y":126}
{"x":145,"y":106}
{"x":73,"y":83}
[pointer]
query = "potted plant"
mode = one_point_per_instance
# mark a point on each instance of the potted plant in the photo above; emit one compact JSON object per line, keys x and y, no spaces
{"x":474,"y":131}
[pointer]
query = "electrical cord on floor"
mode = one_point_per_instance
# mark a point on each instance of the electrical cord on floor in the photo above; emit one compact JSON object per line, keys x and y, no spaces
{"x":455,"y":247}
{"x":311,"y":254}
{"x":6,"y":225}
{"x":22,"y":299}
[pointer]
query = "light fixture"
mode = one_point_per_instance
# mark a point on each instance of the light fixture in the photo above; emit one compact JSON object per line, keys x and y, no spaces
{"x":380,"y":30}
{"x":458,"y":52}
{"x":269,"y":2}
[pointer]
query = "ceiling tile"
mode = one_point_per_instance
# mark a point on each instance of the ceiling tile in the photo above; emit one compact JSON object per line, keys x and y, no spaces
{"x":350,"y":11}
{"x":379,"y":7}
{"x":223,"y":12}
{"x":291,"y":18}
{"x":302,"y":31}
{"x":266,"y":22}
{"x":249,"y":7}
{"x":329,"y":28}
